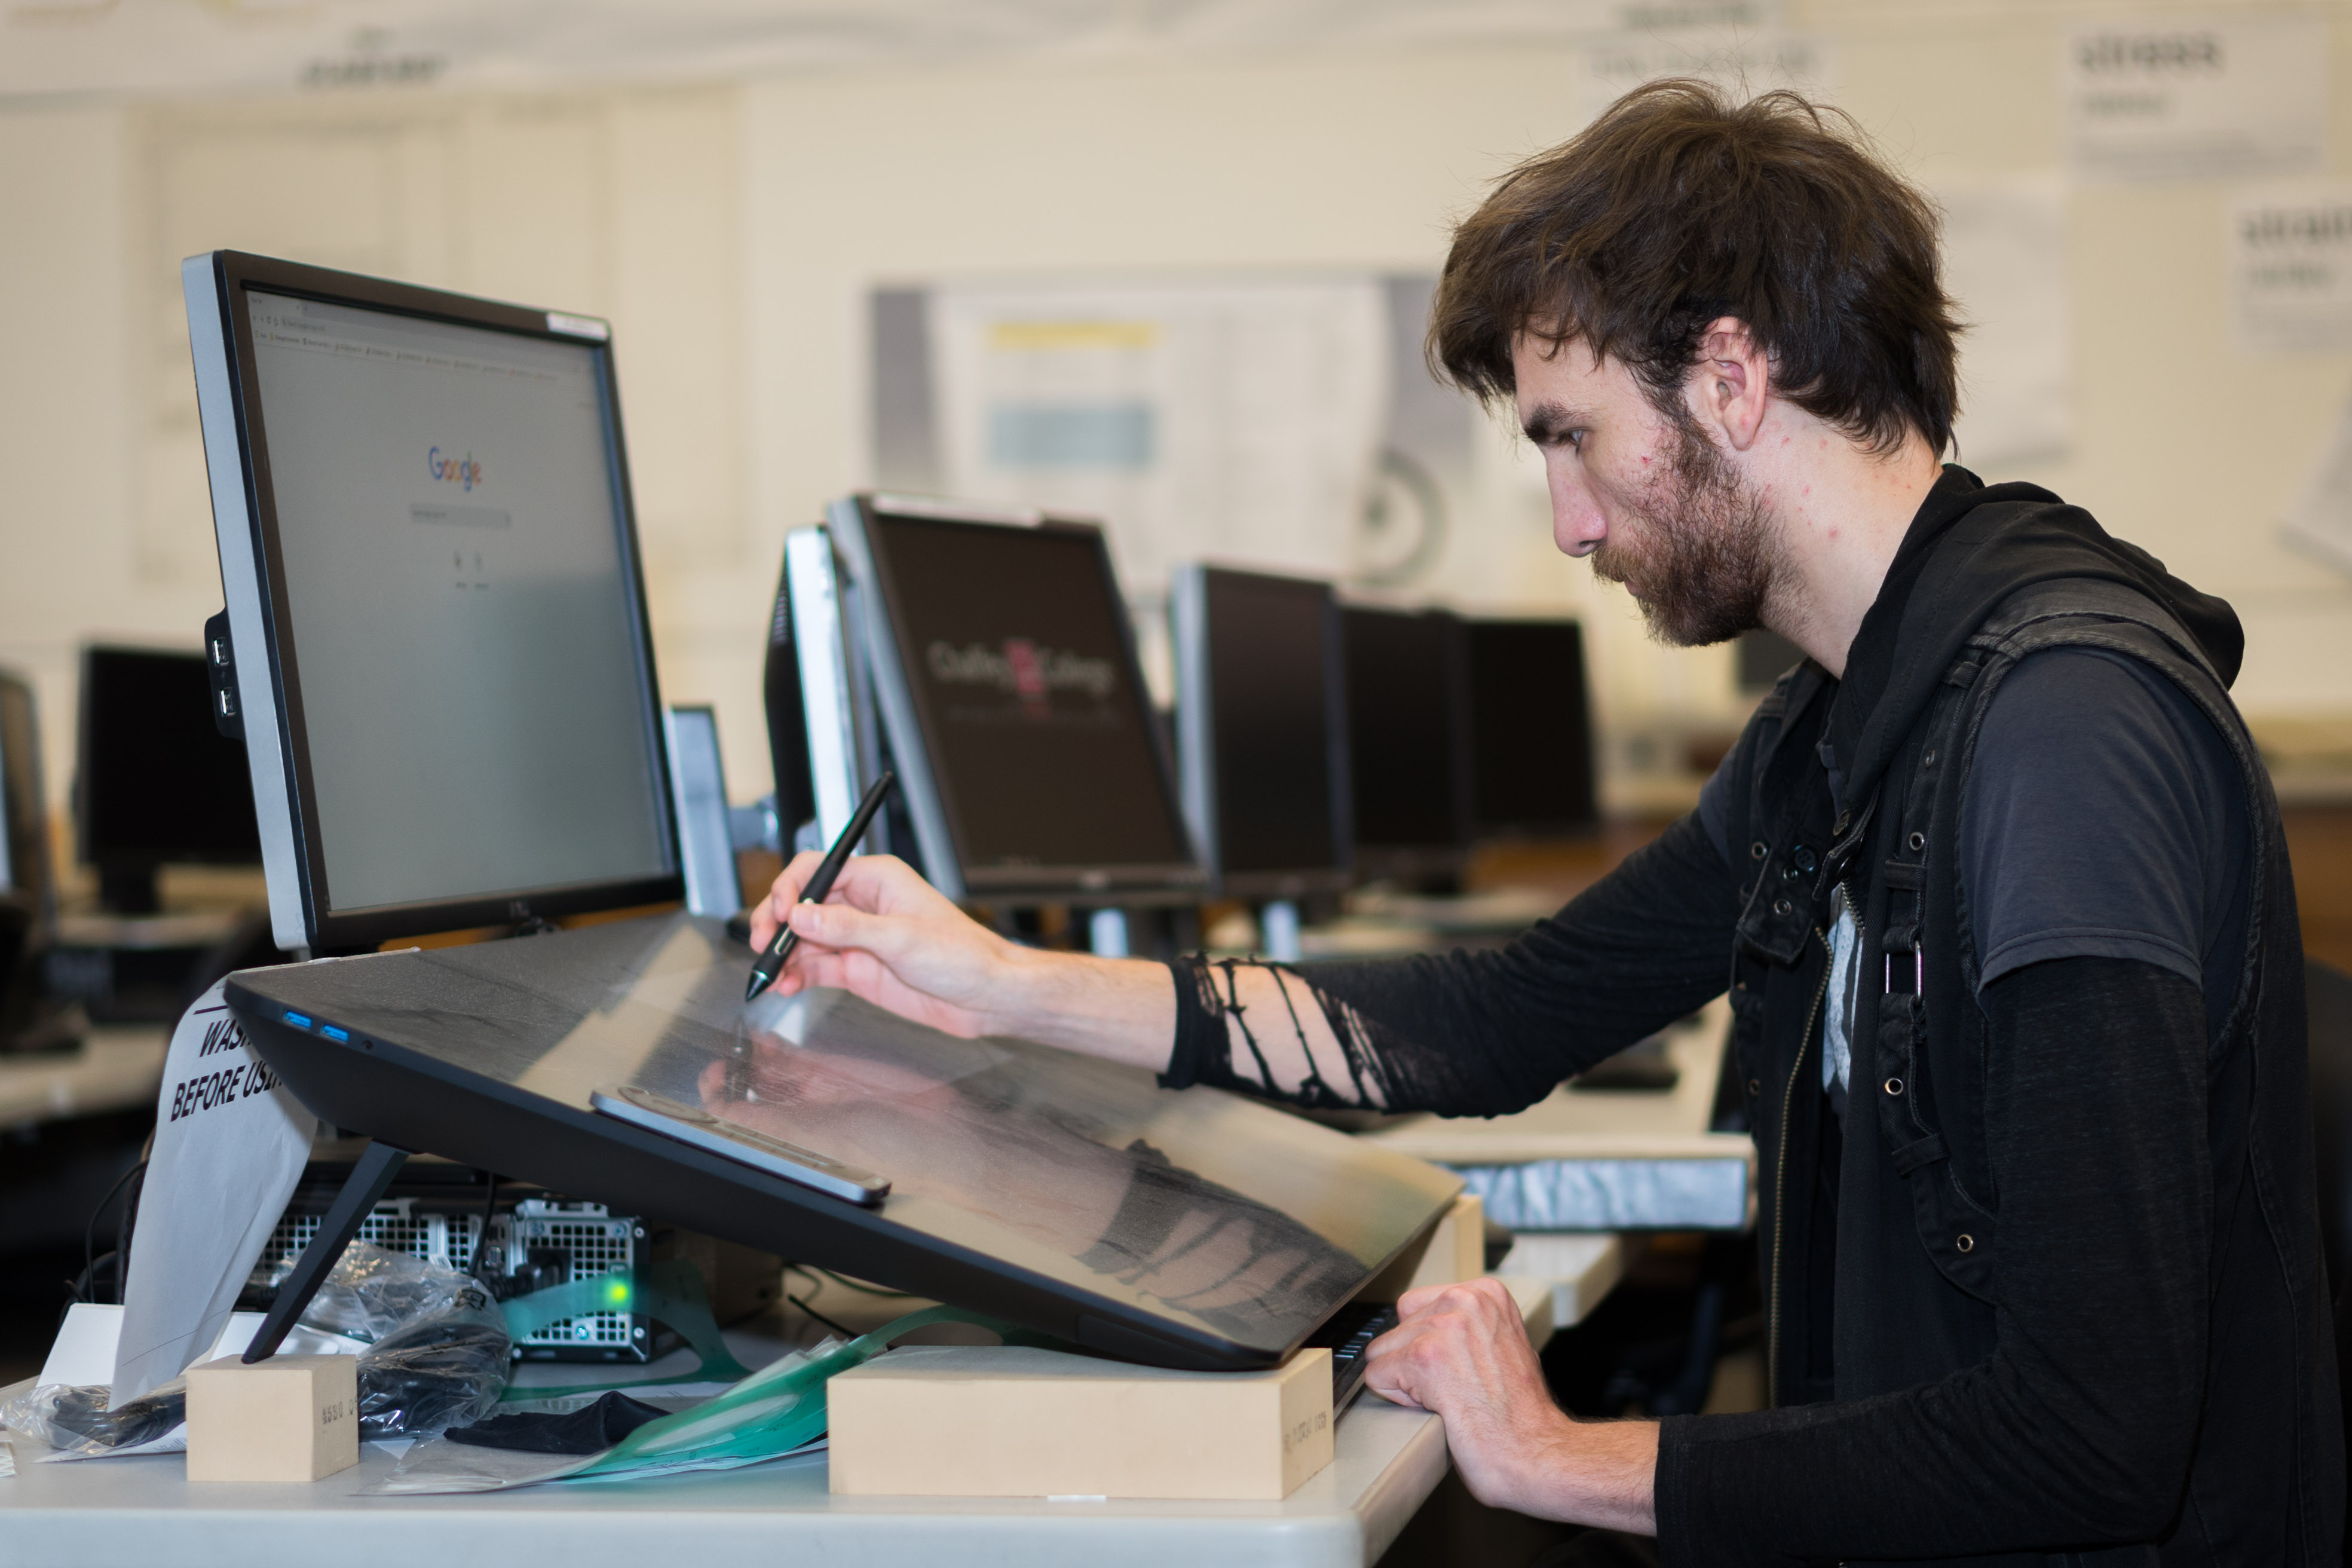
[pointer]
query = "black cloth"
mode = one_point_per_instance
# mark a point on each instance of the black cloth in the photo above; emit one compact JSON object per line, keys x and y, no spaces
{"x":591,"y":1429}
{"x":2078,"y":1428}
{"x":2103,"y":819}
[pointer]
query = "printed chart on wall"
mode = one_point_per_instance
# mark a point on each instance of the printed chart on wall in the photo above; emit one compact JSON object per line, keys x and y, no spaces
{"x":1239,"y":420}
{"x":2230,"y":98}
{"x":2291,"y":267}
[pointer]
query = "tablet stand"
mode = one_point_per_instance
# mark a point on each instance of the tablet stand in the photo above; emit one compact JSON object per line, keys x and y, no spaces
{"x":372,"y":1175}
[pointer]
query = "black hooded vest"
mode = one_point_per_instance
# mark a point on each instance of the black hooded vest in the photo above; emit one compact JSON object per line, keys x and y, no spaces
{"x":1987,"y":578}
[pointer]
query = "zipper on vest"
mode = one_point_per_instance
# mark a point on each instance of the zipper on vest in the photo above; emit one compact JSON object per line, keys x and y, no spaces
{"x":1781,"y":1178}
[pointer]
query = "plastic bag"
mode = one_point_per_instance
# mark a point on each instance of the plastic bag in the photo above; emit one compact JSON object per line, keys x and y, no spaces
{"x":435,"y":1356}
{"x":75,"y":1420}
{"x":437,"y":1351}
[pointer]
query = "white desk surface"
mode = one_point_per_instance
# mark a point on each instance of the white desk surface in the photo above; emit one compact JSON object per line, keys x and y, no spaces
{"x":139,"y":1512}
{"x":1596,"y":1124}
{"x":119,"y":1066}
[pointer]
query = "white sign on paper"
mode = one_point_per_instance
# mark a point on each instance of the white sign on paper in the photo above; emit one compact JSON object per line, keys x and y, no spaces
{"x":230,"y":1144}
{"x":2291,"y":267}
{"x":2005,"y":264}
{"x":2320,"y":520}
{"x":2168,"y":98}
{"x":1233,"y":420}
{"x":1747,"y":63}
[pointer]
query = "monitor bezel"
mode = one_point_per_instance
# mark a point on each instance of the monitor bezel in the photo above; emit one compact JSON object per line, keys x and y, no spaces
{"x":218,"y":287}
{"x":907,"y":723}
{"x":1196,"y":725}
{"x":1435,"y":857}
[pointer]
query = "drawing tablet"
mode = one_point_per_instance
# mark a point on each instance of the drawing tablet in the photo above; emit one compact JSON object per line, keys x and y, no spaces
{"x":1072,"y":1195}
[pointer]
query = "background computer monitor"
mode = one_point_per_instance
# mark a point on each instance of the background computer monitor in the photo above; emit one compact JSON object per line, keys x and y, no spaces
{"x":441,"y":660}
{"x":1003,"y":672}
{"x":26,"y":883}
{"x":1262,"y":730}
{"x":28,"y":889}
{"x":155,"y":782}
{"x":1408,"y":739}
{"x":1531,"y":728}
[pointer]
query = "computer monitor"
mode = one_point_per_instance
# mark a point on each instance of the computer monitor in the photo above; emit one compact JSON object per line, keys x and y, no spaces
{"x":1408,"y":739}
{"x":156,"y":782}
{"x":1262,"y":730}
{"x":30,"y":1019}
{"x":441,"y":657}
{"x":1005,"y":694}
{"x":1531,"y":728}
{"x":26,"y":883}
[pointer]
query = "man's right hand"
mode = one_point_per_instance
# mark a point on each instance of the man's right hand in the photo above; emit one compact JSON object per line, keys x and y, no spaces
{"x":887,"y":935}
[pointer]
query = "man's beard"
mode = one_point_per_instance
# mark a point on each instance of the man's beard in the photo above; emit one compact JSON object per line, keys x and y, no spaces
{"x":1706,"y":557}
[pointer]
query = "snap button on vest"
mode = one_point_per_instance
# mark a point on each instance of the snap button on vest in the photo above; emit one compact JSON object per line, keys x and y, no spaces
{"x":1966,"y":1243}
{"x":1755,"y":1086}
{"x":1781,"y":906}
{"x":1917,"y":841}
{"x":1757,"y":851}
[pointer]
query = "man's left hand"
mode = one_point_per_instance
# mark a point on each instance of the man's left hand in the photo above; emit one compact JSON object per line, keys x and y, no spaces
{"x":1462,"y":1351}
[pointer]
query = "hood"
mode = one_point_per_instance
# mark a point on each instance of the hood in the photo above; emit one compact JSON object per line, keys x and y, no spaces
{"x":1970,"y":548}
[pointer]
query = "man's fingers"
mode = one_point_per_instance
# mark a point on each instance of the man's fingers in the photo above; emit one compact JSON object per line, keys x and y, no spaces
{"x":844,"y":925}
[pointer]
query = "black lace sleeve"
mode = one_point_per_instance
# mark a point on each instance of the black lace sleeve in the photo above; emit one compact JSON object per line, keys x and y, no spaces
{"x":1478,"y":1033}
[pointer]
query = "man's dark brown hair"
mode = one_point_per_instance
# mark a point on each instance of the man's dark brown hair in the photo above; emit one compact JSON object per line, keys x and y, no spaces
{"x":1680,"y":205}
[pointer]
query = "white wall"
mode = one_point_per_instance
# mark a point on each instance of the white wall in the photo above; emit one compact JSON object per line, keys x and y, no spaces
{"x":731,"y":234}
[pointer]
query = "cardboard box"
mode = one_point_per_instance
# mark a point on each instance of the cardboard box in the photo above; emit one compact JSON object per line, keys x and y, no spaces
{"x":1007,"y":1421}
{"x":290,"y":1418}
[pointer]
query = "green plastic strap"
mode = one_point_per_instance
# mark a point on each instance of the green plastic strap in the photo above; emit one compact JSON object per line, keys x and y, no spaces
{"x":778,"y":1408}
{"x":669,"y":1292}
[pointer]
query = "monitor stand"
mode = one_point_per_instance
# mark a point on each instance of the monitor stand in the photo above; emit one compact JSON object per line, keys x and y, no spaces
{"x":372,"y":1175}
{"x":1277,"y":930}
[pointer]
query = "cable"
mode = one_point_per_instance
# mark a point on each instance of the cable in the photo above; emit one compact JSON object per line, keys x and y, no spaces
{"x":88,"y":1282}
{"x":820,"y":1317}
{"x":123,"y":1227}
{"x":482,"y":1242}
{"x":849,"y":1284}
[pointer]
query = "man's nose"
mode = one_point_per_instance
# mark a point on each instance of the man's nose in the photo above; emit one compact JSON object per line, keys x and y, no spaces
{"x":1577,"y":526}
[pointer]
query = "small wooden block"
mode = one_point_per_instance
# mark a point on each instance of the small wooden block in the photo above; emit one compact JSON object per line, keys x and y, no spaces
{"x":1455,"y":1250}
{"x":1010,"y":1421}
{"x":290,"y":1418}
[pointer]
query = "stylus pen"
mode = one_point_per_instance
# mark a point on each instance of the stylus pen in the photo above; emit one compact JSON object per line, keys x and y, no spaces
{"x":771,"y":962}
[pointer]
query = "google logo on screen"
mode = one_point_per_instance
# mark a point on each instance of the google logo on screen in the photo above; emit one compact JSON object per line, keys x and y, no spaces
{"x":461,"y":471}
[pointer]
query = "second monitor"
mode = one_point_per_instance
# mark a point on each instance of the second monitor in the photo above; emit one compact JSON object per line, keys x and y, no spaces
{"x":1262,"y":720}
{"x":998,"y":653}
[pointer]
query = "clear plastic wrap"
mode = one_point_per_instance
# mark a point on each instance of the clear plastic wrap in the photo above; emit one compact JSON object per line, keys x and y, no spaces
{"x":75,"y":1420}
{"x":435,"y":1356}
{"x":438,"y":1349}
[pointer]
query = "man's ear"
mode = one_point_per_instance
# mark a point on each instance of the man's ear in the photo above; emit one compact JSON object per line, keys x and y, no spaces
{"x":1729,"y":386}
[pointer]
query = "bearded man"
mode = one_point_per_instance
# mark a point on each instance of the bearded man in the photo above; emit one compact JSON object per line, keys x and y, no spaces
{"x":1994,"y":876}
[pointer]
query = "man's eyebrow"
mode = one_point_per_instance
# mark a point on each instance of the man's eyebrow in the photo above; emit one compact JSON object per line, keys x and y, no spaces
{"x":1547,"y":419}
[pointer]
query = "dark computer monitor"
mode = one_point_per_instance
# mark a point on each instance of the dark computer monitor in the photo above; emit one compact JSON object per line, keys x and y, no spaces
{"x":156,"y":782}
{"x":1004,"y":677}
{"x":1262,"y":730}
{"x":27,"y":885}
{"x":1408,"y":739}
{"x":1531,"y":728}
{"x":442,"y":659}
